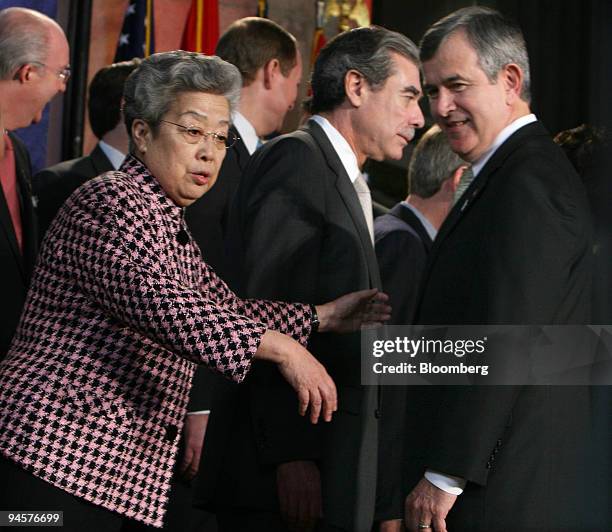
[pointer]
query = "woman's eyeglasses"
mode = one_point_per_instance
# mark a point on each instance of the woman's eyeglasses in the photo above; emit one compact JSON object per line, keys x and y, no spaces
{"x":195,"y":135}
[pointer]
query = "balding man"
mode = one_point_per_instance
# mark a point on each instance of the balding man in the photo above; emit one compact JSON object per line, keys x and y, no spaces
{"x":34,"y":67}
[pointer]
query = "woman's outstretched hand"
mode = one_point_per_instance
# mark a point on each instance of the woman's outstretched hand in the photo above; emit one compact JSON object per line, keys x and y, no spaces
{"x":351,"y":312}
{"x":306,"y":375}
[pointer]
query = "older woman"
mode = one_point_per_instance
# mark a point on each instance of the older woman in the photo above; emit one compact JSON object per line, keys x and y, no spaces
{"x":94,"y":389}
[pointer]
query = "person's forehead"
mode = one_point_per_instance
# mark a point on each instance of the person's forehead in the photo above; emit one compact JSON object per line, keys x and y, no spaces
{"x":454,"y":56}
{"x":201,"y":106}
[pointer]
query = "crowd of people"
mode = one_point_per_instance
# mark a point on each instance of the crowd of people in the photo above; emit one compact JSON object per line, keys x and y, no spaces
{"x":180,"y":330}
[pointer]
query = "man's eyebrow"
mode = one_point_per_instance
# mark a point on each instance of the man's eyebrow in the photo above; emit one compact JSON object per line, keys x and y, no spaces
{"x":411,"y":89}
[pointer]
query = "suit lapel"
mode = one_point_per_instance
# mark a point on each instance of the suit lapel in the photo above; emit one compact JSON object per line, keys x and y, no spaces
{"x":99,"y":161}
{"x":476,"y":187}
{"x":242,"y":154}
{"x":349,"y":197}
{"x":406,"y":215}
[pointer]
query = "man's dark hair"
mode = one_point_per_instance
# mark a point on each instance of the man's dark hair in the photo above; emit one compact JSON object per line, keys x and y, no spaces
{"x":251,"y":42}
{"x":366,"y":50}
{"x":497,"y":40}
{"x":105,"y":94}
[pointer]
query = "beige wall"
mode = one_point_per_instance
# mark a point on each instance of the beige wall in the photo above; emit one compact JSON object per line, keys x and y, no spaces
{"x":297,"y":16}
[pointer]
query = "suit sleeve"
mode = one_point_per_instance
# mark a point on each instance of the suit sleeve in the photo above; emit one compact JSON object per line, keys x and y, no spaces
{"x":281,"y":202}
{"x":133,"y":289}
{"x":401,"y":259}
{"x":528,"y":264}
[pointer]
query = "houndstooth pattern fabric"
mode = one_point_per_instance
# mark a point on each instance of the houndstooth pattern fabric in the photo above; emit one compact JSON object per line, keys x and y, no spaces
{"x":94,"y":390}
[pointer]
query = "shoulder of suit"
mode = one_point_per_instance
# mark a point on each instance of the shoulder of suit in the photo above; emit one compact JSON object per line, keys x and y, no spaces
{"x":390,"y":226}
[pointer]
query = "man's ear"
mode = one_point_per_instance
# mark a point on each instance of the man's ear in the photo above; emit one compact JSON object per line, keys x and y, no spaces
{"x":270,"y":70}
{"x":141,"y":135}
{"x":512,"y":78}
{"x":455,"y":178}
{"x":355,"y":87}
{"x":24,"y":73}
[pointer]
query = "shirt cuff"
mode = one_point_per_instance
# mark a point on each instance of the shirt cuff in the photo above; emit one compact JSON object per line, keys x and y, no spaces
{"x":207,"y":412}
{"x":447,"y":483}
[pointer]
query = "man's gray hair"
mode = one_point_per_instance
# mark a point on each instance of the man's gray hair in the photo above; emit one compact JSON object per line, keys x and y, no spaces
{"x":432,"y":163}
{"x":497,"y":40}
{"x":366,"y":50}
{"x":24,"y":39}
{"x":161,"y":78}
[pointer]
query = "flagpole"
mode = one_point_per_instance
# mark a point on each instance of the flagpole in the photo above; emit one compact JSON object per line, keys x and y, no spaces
{"x":73,"y":117}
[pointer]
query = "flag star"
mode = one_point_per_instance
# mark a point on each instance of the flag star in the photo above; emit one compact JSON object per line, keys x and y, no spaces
{"x":124,"y":39}
{"x":131,"y":10}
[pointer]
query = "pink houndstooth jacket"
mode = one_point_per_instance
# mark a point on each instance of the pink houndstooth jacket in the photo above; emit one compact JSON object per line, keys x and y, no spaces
{"x":94,"y":389}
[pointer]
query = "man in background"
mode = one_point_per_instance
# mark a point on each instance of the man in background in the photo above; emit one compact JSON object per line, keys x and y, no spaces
{"x":404,"y":237}
{"x":34,"y":57}
{"x":271,"y":67}
{"x":53,"y":185}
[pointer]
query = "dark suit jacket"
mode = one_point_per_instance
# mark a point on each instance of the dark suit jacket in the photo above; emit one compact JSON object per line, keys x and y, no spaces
{"x":207,"y":220}
{"x":53,"y":185}
{"x":207,"y":217}
{"x":15,"y":267}
{"x":402,"y":245}
{"x":301,"y":236}
{"x":514,"y":250}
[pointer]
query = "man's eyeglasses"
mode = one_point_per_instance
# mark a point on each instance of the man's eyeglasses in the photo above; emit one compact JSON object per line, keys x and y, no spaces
{"x":195,"y":135}
{"x":63,"y":73}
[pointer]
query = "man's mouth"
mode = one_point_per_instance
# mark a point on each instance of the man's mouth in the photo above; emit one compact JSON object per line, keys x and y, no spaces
{"x":452,"y":124}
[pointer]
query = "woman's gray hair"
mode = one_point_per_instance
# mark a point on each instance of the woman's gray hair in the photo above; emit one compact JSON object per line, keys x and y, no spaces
{"x":24,"y":39}
{"x":497,"y":40}
{"x":160,"y":78}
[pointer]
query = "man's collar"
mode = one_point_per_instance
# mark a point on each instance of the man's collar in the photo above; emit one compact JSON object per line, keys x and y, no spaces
{"x":246,"y":131}
{"x":502,"y":137}
{"x":115,"y":157}
{"x":341,"y":146}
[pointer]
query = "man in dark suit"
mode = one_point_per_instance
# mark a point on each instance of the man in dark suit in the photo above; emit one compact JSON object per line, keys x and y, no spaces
{"x":303,"y":229}
{"x":404,"y":237}
{"x":271,"y":67}
{"x":53,"y":185}
{"x":514,"y":250}
{"x":34,"y":58}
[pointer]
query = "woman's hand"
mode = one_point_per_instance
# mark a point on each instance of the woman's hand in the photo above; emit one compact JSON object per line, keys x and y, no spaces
{"x":307,"y":376}
{"x":351,"y":312}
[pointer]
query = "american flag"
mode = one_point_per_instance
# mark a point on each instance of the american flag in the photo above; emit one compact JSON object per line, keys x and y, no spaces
{"x":137,"y":37}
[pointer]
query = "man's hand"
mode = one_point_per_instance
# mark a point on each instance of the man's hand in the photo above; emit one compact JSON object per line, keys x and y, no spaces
{"x":350,"y":312}
{"x":299,"y":494}
{"x":194,"y":431}
{"x":427,"y":505}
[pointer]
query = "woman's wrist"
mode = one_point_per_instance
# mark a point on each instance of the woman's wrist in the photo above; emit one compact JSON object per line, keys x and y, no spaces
{"x":324,"y":317}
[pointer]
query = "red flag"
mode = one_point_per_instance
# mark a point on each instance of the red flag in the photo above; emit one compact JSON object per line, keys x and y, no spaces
{"x":202,"y":28}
